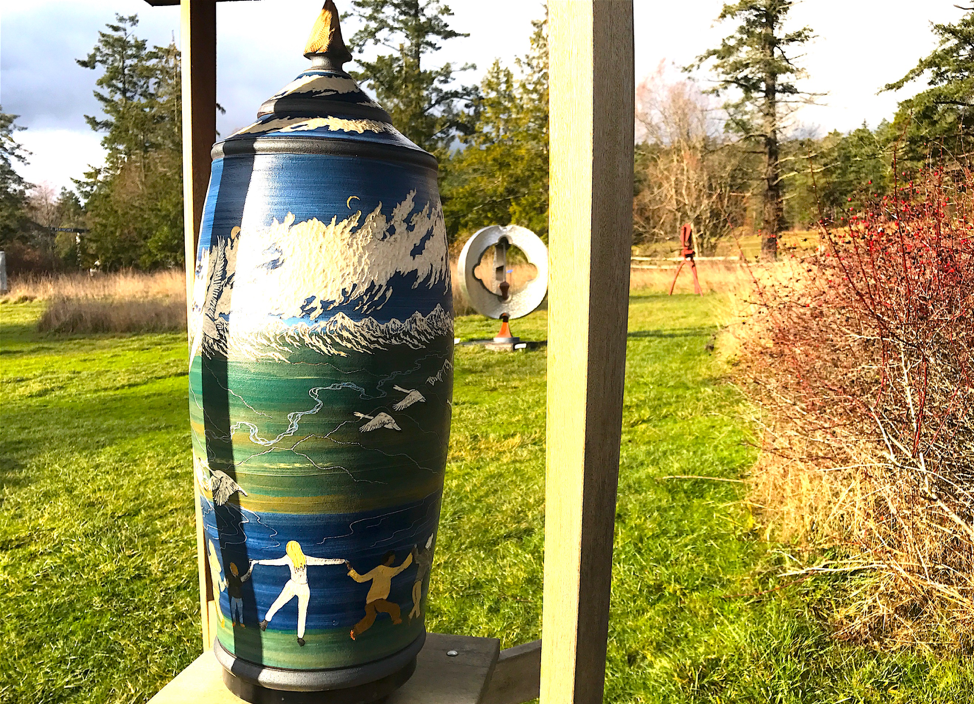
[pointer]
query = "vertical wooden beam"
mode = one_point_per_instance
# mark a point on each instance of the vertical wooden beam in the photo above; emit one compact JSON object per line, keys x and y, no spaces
{"x":198,"y":39}
{"x":198,"y":32}
{"x":592,"y":114}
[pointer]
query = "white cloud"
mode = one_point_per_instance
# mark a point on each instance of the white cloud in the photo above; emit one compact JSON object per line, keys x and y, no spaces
{"x":57,"y":156}
{"x":861,"y":45}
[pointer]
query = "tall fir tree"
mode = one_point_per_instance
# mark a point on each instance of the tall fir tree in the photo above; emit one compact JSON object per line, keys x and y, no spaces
{"x":134,"y":201}
{"x":755,"y":63}
{"x":125,"y":83}
{"x":13,"y":188}
{"x":500,"y":175}
{"x":425,"y":103}
{"x":941,"y":117}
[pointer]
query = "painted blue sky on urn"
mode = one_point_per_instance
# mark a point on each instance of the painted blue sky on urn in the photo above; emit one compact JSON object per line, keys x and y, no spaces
{"x":321,"y":269}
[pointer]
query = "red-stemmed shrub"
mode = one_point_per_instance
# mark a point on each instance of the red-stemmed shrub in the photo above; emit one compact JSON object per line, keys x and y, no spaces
{"x":861,"y":357}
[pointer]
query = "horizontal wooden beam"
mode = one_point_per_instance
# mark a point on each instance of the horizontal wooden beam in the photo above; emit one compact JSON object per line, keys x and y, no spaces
{"x":163,"y":3}
{"x":517,"y":675}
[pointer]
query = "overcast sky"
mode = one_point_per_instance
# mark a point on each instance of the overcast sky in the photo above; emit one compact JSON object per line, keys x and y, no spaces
{"x":860,"y":46}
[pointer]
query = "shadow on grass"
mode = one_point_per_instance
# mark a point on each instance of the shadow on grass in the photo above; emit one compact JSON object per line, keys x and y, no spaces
{"x":17,"y":333}
{"x":12,"y":468}
{"x":666,"y":334}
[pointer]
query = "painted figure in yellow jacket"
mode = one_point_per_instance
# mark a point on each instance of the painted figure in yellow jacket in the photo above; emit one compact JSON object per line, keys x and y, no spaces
{"x":377,"y":600}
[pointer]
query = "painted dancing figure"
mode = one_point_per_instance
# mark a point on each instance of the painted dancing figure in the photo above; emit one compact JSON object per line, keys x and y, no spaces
{"x":297,"y":562}
{"x":235,"y":592}
{"x":424,"y":560}
{"x":217,"y":581}
{"x":377,"y":600}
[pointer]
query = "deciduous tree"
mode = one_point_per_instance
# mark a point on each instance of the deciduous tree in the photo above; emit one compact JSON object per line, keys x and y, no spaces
{"x":687,"y":169}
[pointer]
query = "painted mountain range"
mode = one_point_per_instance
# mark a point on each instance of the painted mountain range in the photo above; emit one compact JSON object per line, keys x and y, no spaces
{"x":338,"y":335}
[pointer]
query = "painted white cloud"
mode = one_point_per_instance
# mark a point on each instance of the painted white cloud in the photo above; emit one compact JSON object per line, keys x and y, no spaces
{"x":303,"y":269}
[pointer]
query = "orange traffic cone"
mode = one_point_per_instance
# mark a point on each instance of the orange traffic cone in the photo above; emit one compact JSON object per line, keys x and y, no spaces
{"x":504,"y":336}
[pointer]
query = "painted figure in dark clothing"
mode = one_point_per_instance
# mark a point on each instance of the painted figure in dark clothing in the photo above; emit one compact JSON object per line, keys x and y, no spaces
{"x":234,"y":591}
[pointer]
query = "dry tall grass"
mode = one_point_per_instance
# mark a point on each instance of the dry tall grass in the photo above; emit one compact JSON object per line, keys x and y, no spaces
{"x":714,"y":276}
{"x":125,"y":285}
{"x":137,"y":302}
{"x":109,"y":303}
{"x":70,"y":316}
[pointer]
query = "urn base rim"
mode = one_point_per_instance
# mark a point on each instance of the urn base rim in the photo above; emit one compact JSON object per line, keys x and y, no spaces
{"x":349,"y":684}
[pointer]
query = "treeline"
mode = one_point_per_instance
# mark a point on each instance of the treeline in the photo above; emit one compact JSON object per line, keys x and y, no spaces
{"x":728,"y":159}
{"x":725,"y":159}
{"x":126,"y":213}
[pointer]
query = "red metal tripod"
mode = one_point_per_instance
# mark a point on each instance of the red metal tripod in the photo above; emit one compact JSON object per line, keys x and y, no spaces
{"x":686,"y":240}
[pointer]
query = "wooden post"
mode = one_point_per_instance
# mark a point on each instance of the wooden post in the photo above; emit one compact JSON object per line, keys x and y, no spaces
{"x":198,"y":33}
{"x":592,"y":114}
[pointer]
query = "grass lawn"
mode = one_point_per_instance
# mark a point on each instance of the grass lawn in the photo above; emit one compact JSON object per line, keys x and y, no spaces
{"x":97,"y":546}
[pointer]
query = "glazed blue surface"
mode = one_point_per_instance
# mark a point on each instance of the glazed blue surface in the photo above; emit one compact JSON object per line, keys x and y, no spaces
{"x":320,"y":411}
{"x":336,"y":599}
{"x":279,"y":177}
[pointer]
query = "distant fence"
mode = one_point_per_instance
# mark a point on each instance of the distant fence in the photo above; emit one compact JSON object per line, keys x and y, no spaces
{"x":634,"y":265}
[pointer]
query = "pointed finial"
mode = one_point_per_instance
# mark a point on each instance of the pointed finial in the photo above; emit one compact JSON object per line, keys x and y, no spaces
{"x":325,"y":42}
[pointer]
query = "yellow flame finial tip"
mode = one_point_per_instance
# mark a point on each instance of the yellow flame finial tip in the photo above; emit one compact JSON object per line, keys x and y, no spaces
{"x":326,"y":36}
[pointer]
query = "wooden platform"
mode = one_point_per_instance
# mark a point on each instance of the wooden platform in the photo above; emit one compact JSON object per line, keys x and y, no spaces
{"x":478,"y":673}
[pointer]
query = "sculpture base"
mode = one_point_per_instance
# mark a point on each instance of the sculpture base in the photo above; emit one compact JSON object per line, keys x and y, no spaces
{"x":354,"y":685}
{"x":500,"y":345}
{"x":360,"y":694}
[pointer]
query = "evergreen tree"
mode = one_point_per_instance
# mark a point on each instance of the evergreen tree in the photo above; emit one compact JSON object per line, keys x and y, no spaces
{"x":424,"y":103}
{"x":839,"y":172}
{"x":500,"y":176}
{"x":126,"y":84}
{"x":756,"y":64}
{"x":68,"y":246}
{"x":134,"y":201}
{"x":688,"y":170}
{"x":942,"y":116}
{"x":13,"y":188}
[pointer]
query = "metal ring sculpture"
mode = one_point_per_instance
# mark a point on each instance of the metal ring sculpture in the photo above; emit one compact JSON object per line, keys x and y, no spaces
{"x":518,"y":303}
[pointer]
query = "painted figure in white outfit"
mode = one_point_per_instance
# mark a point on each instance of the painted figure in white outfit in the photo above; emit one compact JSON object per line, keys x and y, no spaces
{"x":216,"y":578}
{"x":297,"y":586}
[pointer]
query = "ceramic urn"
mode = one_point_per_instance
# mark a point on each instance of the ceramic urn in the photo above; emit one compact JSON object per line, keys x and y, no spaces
{"x":320,"y":389}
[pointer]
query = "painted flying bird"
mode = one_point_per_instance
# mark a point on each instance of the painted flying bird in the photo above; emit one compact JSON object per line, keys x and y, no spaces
{"x":412,"y":396}
{"x":223,"y":487}
{"x":383,"y":420}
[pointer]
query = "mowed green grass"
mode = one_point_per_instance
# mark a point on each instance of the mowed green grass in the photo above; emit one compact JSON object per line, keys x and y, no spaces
{"x":98,"y":592}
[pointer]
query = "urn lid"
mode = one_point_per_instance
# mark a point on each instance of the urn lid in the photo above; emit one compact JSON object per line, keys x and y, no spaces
{"x":323,"y":110}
